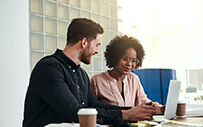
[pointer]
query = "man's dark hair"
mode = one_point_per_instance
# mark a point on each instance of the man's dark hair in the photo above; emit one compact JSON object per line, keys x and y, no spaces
{"x":81,"y":28}
{"x":117,"y":48}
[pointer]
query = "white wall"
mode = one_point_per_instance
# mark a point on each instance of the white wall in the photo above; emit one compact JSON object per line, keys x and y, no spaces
{"x":14,"y":62}
{"x":170,"y":33}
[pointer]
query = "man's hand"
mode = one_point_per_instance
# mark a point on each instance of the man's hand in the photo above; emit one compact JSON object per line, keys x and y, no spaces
{"x":139,"y":113}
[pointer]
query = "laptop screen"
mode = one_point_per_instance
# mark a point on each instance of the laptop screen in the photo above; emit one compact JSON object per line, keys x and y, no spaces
{"x":172,"y":99}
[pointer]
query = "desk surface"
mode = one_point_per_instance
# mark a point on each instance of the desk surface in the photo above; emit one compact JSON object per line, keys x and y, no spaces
{"x":191,"y":120}
{"x":72,"y":125}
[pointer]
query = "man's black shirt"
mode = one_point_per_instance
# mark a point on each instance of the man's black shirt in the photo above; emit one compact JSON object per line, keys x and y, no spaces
{"x":58,"y":88}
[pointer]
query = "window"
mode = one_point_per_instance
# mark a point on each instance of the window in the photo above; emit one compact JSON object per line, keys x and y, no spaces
{"x":49,"y":20}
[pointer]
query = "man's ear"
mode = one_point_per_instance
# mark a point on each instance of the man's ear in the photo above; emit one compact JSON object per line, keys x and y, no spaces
{"x":84,"y":43}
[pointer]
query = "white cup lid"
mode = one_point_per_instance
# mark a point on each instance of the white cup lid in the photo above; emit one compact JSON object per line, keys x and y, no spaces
{"x":181,"y":102}
{"x":87,"y":111}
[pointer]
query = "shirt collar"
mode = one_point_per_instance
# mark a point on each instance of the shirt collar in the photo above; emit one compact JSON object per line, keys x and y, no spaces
{"x":59,"y":54}
{"x":111,"y":78}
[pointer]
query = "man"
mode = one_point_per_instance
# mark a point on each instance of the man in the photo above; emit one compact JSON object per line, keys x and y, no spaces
{"x":59,"y":87}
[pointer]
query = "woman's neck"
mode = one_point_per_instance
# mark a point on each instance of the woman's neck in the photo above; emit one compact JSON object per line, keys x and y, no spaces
{"x":116,"y":75}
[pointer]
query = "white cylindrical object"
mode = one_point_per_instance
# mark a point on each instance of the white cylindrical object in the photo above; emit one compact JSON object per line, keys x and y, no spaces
{"x":87,"y":111}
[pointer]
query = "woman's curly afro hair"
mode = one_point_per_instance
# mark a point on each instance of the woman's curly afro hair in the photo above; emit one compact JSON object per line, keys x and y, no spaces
{"x":116,"y":49}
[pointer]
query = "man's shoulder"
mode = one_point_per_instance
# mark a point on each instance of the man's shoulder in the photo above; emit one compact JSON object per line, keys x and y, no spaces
{"x":48,"y":62}
{"x":51,"y":60}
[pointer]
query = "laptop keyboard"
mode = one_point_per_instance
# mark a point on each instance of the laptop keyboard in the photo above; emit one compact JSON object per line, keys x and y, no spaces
{"x":158,"y":119}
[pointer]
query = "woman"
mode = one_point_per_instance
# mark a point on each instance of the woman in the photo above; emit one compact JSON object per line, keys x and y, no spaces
{"x":119,"y":86}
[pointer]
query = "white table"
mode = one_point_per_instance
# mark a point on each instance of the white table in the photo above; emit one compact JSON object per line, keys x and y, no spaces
{"x":71,"y":125}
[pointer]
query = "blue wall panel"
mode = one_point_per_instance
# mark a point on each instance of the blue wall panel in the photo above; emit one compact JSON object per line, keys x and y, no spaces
{"x":166,"y":76}
{"x":155,"y":82}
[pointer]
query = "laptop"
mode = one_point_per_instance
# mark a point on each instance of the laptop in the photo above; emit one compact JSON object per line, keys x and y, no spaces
{"x":171,"y":103}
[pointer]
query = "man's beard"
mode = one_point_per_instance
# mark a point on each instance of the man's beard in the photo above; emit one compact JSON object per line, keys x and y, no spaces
{"x":86,"y":56}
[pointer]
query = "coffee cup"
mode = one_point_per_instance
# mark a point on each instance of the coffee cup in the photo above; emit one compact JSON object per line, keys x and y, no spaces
{"x":87,"y":117}
{"x":181,"y":109}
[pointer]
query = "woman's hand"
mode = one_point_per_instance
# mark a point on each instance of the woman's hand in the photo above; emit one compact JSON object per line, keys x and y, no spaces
{"x":159,"y":109}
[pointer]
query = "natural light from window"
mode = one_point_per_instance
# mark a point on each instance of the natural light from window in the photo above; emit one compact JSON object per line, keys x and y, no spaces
{"x":171,"y":32}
